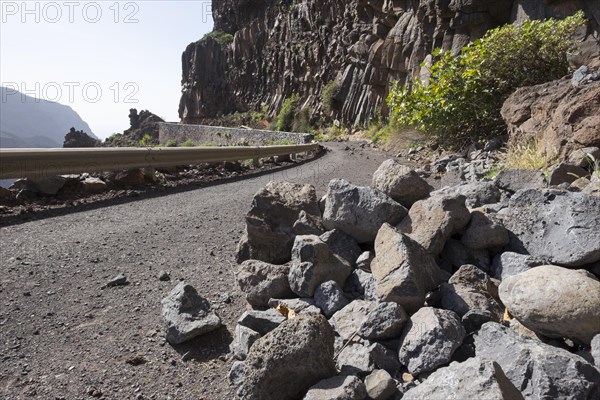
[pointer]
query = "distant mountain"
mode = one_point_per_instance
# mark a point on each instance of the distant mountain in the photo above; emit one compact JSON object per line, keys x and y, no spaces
{"x":29,"y":122}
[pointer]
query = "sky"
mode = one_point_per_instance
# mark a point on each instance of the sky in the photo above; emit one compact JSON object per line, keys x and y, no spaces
{"x":101,"y":57}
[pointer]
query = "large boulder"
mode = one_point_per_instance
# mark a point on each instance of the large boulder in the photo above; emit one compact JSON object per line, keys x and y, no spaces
{"x":562,"y":227}
{"x":557,"y":114}
{"x":471,"y":292}
{"x":342,"y":245}
{"x":187,"y":314}
{"x":472,"y":379}
{"x":404,"y":272}
{"x":515,"y":179}
{"x":431,"y":222}
{"x":555,"y":301}
{"x":49,"y":184}
{"x":477,"y":194}
{"x":359,"y":211}
{"x":509,"y":263}
{"x":429,"y":339}
{"x":384,"y":321}
{"x":270,"y":222}
{"x":538,"y":370}
{"x":401,"y":183}
{"x":362,"y":359}
{"x":314,"y":263}
{"x":272,"y":370}
{"x":261,"y":281}
{"x":485,"y":231}
{"x":350,"y":319}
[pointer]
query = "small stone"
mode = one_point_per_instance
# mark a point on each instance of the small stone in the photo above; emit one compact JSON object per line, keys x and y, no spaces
{"x":136,"y":360}
{"x":595,"y":350}
{"x":330,"y":298}
{"x":380,"y":385}
{"x":342,"y":246}
{"x":187,"y":314}
{"x":164,"y":276}
{"x":119,"y":280}
{"x":349,"y":319}
{"x":337,"y":388}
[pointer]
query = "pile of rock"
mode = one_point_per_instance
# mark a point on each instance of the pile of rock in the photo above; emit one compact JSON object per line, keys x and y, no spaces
{"x":481,"y":290}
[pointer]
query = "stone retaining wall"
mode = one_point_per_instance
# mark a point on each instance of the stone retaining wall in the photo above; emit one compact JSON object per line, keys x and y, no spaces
{"x":221,"y":136}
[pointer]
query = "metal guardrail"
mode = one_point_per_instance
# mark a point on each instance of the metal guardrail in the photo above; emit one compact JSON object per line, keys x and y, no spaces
{"x":38,"y":163}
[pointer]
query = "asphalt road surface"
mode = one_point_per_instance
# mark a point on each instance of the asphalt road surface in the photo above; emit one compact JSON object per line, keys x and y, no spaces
{"x":64,"y":337}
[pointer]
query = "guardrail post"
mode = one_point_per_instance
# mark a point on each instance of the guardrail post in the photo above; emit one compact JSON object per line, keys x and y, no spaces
{"x":256,"y":162}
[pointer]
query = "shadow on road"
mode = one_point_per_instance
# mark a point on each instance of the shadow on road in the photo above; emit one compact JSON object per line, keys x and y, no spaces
{"x":206,"y":347}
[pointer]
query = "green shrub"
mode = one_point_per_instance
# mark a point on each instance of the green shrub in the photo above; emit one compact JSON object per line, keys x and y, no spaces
{"x":147,"y":141}
{"x":188,"y":143}
{"x":328,"y":97}
{"x":171,"y":143}
{"x":285,"y":118}
{"x":462,"y":101}
{"x":302,"y":121}
{"x":222,"y":38}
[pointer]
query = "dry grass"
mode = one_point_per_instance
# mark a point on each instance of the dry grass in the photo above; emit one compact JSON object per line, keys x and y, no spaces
{"x":528,"y":155}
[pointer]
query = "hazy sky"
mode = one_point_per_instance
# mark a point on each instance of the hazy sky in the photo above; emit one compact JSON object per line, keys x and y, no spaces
{"x":100,"y":57}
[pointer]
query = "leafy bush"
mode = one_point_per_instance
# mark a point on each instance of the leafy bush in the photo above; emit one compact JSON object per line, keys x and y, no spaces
{"x":462,"y":101}
{"x":171,"y":143}
{"x":147,"y":140}
{"x":221,"y":38}
{"x":328,"y":97}
{"x":285,"y":118}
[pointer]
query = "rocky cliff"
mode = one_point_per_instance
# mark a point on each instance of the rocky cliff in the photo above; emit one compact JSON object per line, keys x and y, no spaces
{"x":262,"y":52}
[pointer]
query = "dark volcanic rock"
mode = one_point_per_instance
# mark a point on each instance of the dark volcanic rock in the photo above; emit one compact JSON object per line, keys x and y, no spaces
{"x":187,"y":314}
{"x":270,"y":222}
{"x":79,"y":139}
{"x":538,"y":370}
{"x":561,"y":227}
{"x":264,"y":51}
{"x":272,"y":368}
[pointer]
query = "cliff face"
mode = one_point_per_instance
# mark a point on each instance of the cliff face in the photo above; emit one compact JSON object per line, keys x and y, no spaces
{"x":282,"y":47}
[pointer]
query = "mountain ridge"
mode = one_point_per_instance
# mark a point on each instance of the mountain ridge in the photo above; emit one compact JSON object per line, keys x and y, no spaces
{"x":26,"y":121}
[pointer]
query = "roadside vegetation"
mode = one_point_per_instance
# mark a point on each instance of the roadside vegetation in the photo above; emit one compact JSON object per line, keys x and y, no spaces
{"x":461,"y":102}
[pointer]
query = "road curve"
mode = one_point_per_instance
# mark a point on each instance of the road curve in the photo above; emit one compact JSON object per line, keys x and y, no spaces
{"x":63,"y":337}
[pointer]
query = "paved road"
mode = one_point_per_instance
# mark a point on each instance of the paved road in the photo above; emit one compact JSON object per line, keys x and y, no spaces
{"x":62,"y":336}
